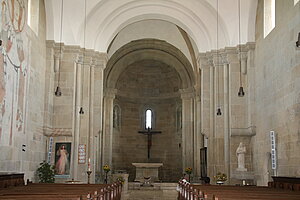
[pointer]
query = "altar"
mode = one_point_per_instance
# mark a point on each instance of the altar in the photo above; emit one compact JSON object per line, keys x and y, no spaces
{"x":146,"y":170}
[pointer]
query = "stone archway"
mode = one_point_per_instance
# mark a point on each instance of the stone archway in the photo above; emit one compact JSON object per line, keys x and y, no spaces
{"x":149,"y":74}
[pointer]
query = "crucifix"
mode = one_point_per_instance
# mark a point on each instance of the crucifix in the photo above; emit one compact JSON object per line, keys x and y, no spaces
{"x":149,"y":133}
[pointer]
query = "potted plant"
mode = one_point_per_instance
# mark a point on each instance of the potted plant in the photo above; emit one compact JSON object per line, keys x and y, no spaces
{"x":45,"y":173}
{"x":220,"y":178}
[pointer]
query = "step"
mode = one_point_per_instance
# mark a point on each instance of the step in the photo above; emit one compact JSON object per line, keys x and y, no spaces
{"x":153,"y":186}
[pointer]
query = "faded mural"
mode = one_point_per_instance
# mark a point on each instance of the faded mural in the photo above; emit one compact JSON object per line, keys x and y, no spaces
{"x":13,"y":69}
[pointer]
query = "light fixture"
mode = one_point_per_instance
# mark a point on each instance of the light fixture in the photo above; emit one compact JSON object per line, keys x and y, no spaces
{"x":219,"y":112}
{"x":58,"y":90}
{"x":298,"y":42}
{"x":82,"y":71}
{"x":241,"y":92}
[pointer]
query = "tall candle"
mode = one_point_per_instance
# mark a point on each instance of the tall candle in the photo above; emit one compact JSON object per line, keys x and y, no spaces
{"x":89,"y":164}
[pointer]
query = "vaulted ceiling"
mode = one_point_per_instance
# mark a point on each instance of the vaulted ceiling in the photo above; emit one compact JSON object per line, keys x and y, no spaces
{"x":113,"y":23}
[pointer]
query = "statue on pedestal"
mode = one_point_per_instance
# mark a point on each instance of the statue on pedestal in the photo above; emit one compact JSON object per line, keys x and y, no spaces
{"x":240,"y":153}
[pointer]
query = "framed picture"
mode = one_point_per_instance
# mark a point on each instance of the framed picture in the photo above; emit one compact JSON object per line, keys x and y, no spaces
{"x":81,"y":153}
{"x":62,"y":158}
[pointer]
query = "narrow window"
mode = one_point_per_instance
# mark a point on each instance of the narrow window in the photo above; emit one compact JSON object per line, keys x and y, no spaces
{"x":117,"y":117}
{"x":269,"y":16}
{"x":295,"y":2}
{"x":148,"y":118}
{"x":179,"y":118}
{"x":33,"y":15}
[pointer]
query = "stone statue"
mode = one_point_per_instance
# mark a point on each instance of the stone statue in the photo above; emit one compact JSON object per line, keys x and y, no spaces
{"x":240,"y":153}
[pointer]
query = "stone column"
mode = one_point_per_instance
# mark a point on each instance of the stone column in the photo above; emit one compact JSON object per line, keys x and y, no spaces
{"x":76,"y":115}
{"x":198,"y":143}
{"x":187,"y":96}
{"x":198,"y":139}
{"x":97,"y":90}
{"x":226,"y":113}
{"x":218,"y":135}
{"x":108,"y":126}
{"x":205,"y":98}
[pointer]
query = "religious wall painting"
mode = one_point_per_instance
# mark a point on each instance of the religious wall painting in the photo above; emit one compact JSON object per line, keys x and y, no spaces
{"x":62,"y":158}
{"x":13,"y":68}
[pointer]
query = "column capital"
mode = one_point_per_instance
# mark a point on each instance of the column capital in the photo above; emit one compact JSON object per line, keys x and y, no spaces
{"x":217,"y":59}
{"x":100,"y":60}
{"x":250,"y":46}
{"x":204,"y":60}
{"x":187,"y":93}
{"x":79,"y":58}
{"x":110,"y":93}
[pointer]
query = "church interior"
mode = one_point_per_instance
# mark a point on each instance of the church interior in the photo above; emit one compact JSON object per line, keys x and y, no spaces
{"x":155,"y":91}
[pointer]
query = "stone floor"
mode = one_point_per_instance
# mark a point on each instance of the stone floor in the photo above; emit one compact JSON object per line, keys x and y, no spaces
{"x":150,"y":195}
{"x":158,"y":191}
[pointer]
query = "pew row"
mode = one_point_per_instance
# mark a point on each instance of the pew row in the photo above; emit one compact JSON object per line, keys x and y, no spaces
{"x":44,"y":191}
{"x":187,"y":191}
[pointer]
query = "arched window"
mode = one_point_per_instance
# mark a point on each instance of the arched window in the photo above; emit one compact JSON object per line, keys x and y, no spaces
{"x":269,"y":16}
{"x":148,"y":119}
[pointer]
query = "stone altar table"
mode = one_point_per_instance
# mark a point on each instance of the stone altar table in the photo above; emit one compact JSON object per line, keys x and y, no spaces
{"x":145,"y":170}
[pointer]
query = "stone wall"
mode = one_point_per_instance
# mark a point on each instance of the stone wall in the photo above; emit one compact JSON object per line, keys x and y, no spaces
{"x":277,"y":85}
{"x":80,"y":75}
{"x":148,"y":84}
{"x":221,"y":73}
{"x":22,"y":71}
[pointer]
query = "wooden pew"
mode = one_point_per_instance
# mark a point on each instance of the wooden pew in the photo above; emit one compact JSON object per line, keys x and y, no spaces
{"x":212,"y":192}
{"x":11,"y":179}
{"x":44,"y":191}
{"x":287,"y":183}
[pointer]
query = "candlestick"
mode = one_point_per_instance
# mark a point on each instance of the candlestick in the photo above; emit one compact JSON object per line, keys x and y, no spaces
{"x":89,"y":164}
{"x":89,"y":176}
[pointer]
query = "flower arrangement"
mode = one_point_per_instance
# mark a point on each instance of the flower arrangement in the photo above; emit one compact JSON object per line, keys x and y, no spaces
{"x":188,"y":170}
{"x":220,"y":177}
{"x":121,"y":179}
{"x":106,"y":168}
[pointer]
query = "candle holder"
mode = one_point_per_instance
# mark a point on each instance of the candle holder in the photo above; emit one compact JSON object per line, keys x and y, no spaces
{"x":89,"y":175}
{"x":105,"y":180}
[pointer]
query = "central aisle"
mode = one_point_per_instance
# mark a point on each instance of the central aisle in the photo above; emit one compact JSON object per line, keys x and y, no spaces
{"x":158,"y":191}
{"x":150,"y":195}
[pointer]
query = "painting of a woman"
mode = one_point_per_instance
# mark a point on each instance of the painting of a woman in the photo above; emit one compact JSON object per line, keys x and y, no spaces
{"x":62,"y":158}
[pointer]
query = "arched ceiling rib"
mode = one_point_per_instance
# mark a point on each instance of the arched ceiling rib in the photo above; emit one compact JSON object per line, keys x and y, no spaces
{"x":107,"y":17}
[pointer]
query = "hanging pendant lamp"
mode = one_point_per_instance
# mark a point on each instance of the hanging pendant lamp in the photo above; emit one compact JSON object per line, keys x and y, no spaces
{"x":219,"y":112}
{"x":58,"y":90}
{"x":241,"y":92}
{"x":82,"y":72}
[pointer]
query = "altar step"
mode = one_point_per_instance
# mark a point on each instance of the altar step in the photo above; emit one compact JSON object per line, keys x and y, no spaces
{"x":155,"y":186}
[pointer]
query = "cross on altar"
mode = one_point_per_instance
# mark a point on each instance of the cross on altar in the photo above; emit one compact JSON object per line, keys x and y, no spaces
{"x":149,"y":133}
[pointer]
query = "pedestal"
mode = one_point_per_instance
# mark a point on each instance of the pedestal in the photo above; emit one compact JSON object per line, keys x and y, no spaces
{"x":241,"y":169}
{"x":146,"y":170}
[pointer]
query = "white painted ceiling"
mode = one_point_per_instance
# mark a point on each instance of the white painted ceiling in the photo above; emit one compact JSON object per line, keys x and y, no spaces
{"x":127,"y":20}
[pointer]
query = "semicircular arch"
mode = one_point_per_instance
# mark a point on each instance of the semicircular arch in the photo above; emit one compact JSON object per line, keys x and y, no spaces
{"x":148,"y":49}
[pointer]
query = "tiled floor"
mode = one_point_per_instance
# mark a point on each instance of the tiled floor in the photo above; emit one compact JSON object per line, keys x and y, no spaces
{"x":150,"y":195}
